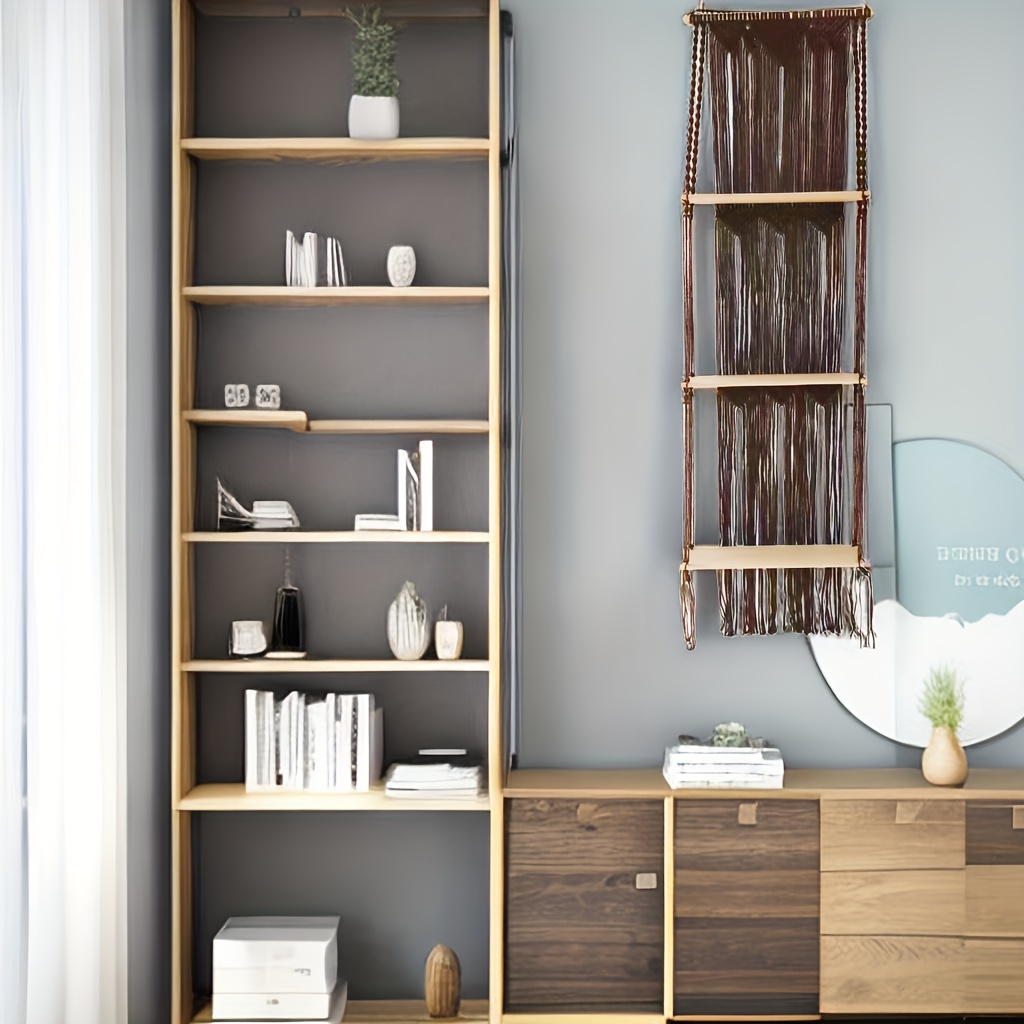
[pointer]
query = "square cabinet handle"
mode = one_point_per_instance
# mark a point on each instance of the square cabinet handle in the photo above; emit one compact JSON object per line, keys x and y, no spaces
{"x":647,"y":880}
{"x":747,"y":814}
{"x":1018,"y":817}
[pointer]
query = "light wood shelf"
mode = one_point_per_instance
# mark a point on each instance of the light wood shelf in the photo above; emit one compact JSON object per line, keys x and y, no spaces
{"x":232,"y":796}
{"x":772,"y":556}
{"x":768,"y":198}
{"x":798,"y":783}
{"x":406,"y":10}
{"x":310,"y":666}
{"x":337,"y":537}
{"x":386,"y":1011}
{"x":338,"y":150}
{"x":281,"y":295}
{"x":716,"y":382}
{"x":300,"y":423}
{"x":398,"y":426}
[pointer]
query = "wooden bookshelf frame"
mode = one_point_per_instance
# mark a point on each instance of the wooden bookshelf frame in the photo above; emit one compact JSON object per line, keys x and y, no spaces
{"x":187,"y":796}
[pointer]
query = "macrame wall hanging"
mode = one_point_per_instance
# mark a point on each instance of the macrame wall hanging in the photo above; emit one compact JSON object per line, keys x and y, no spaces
{"x":784,"y":89}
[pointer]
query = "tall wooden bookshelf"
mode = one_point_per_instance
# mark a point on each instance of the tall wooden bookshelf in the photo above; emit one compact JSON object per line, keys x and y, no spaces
{"x":195,"y":666}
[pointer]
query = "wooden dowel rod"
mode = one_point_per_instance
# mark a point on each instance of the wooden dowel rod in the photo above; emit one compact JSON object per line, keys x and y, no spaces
{"x":740,"y":198}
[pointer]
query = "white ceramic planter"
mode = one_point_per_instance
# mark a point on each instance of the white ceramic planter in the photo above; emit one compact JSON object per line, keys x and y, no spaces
{"x":448,"y":640}
{"x":401,"y":265}
{"x":373,"y":117}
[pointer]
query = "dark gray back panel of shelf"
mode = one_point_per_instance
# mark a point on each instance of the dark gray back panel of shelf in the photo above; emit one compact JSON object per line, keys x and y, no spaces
{"x":329,"y":478}
{"x":346,"y":588}
{"x":292,"y":77}
{"x":401,"y":881}
{"x":420,"y":711}
{"x":243,"y":210}
{"x":353,"y":362}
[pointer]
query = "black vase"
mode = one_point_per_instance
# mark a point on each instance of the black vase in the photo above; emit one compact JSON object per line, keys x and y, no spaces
{"x":288,"y":640}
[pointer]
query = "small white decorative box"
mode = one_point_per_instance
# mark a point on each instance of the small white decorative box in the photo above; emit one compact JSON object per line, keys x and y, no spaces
{"x":236,"y":396}
{"x":268,"y":396}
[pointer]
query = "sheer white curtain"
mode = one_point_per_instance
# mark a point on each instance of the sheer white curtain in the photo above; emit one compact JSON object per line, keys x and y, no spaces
{"x":62,"y":553}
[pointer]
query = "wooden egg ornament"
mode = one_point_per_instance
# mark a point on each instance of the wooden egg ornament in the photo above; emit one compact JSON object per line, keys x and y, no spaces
{"x":442,"y":982}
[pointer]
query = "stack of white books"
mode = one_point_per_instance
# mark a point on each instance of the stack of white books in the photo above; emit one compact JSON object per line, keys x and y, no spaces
{"x":377,"y":521}
{"x":278,"y":968}
{"x":723,"y":767}
{"x":435,"y":775}
{"x":330,"y":742}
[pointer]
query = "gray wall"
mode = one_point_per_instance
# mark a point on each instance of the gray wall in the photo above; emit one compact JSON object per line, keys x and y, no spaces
{"x":603,"y":98}
{"x":147,"y":34}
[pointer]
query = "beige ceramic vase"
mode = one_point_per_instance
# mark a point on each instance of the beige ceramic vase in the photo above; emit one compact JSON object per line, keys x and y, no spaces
{"x":944,"y":762}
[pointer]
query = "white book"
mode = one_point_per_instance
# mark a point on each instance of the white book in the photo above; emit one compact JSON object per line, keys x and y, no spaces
{"x":268,"y":745}
{"x":408,"y":490}
{"x":300,"y":944}
{"x":273,"y":978}
{"x":732,"y":781}
{"x":330,"y":702}
{"x":316,"y":744}
{"x":426,"y":497}
{"x":723,"y":755}
{"x":251,"y":741}
{"x":343,"y":742}
{"x":272,"y":1005}
{"x":369,"y":741}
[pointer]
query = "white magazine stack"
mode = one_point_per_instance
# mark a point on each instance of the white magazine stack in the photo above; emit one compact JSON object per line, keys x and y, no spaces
{"x":278,"y":969}
{"x":706,"y":767}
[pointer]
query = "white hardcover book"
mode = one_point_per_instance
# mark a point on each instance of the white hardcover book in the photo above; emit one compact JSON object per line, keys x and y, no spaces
{"x":268,"y":746}
{"x":284,"y":711}
{"x":284,"y":978}
{"x":370,"y":745}
{"x":335,"y":1013}
{"x":343,"y":742}
{"x":300,"y":944}
{"x":251,"y":741}
{"x":330,"y":716}
{"x":271,"y":1005}
{"x":403,"y":498}
{"x":316,"y":744}
{"x":426,"y":502}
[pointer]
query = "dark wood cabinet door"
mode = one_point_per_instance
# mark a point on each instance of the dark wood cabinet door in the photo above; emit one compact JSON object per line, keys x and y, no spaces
{"x":746,"y":907}
{"x":580,"y":934}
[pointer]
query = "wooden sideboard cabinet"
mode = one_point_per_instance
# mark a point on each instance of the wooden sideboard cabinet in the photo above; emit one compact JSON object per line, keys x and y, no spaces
{"x":847,"y":893}
{"x":585,"y":906}
{"x":746,"y":907}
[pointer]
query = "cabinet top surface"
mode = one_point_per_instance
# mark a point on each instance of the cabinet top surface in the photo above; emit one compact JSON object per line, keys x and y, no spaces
{"x":800,"y":783}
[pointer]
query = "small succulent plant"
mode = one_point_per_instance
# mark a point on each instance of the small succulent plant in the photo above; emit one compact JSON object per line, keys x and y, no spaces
{"x":942,"y":700}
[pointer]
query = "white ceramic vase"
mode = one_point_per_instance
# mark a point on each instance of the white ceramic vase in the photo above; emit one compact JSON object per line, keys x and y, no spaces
{"x":373,"y":117}
{"x":401,"y":265}
{"x":944,"y":762}
{"x":408,"y":625}
{"x":448,"y":638}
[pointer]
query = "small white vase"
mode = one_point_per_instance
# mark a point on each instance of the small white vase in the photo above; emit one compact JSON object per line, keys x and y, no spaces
{"x":448,"y":640}
{"x":408,"y":625}
{"x":401,"y":265}
{"x":373,"y":117}
{"x":944,"y":762}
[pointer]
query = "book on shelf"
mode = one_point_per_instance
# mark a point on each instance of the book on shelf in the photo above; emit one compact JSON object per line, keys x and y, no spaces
{"x":433,"y":775}
{"x":687,"y":765}
{"x":376,"y":521}
{"x":416,"y":487}
{"x":312,"y":742}
{"x":285,"y":1006}
{"x":314,"y":262}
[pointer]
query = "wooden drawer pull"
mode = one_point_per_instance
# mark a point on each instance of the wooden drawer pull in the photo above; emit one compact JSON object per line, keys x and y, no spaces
{"x":747,"y":814}
{"x":647,"y":880}
{"x":1018,"y":817}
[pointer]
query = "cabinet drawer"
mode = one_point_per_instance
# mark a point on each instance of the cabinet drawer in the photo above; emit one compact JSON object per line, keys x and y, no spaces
{"x":874,"y":835}
{"x":995,"y":976}
{"x":902,"y":974}
{"x":892,"y":902}
{"x":579,"y":933}
{"x":995,"y":833}
{"x":995,"y":900}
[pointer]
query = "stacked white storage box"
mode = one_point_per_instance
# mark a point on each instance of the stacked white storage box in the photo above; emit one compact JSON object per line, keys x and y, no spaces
{"x":278,"y":968}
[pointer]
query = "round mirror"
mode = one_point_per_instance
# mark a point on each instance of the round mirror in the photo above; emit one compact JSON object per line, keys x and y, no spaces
{"x":953,"y":597}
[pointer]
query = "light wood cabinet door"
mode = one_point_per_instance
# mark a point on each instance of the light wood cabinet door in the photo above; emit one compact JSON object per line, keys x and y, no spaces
{"x":995,"y":976}
{"x":862,"y":974}
{"x":893,"y":902}
{"x":746,"y":907}
{"x":874,"y":835}
{"x":580,"y":935}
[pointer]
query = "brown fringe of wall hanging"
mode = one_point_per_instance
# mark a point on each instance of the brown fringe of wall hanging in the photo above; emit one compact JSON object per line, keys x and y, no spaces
{"x":791,"y":458}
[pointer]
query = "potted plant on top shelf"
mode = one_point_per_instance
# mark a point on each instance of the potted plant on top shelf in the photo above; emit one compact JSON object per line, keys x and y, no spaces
{"x":373,"y":109}
{"x":943,"y":762}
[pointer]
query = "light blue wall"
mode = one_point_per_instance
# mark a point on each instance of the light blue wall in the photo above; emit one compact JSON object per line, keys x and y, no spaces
{"x":603,"y":96}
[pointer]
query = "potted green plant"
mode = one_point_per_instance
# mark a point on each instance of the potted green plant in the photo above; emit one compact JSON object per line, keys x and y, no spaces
{"x":943,"y":762}
{"x":373,"y":109}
